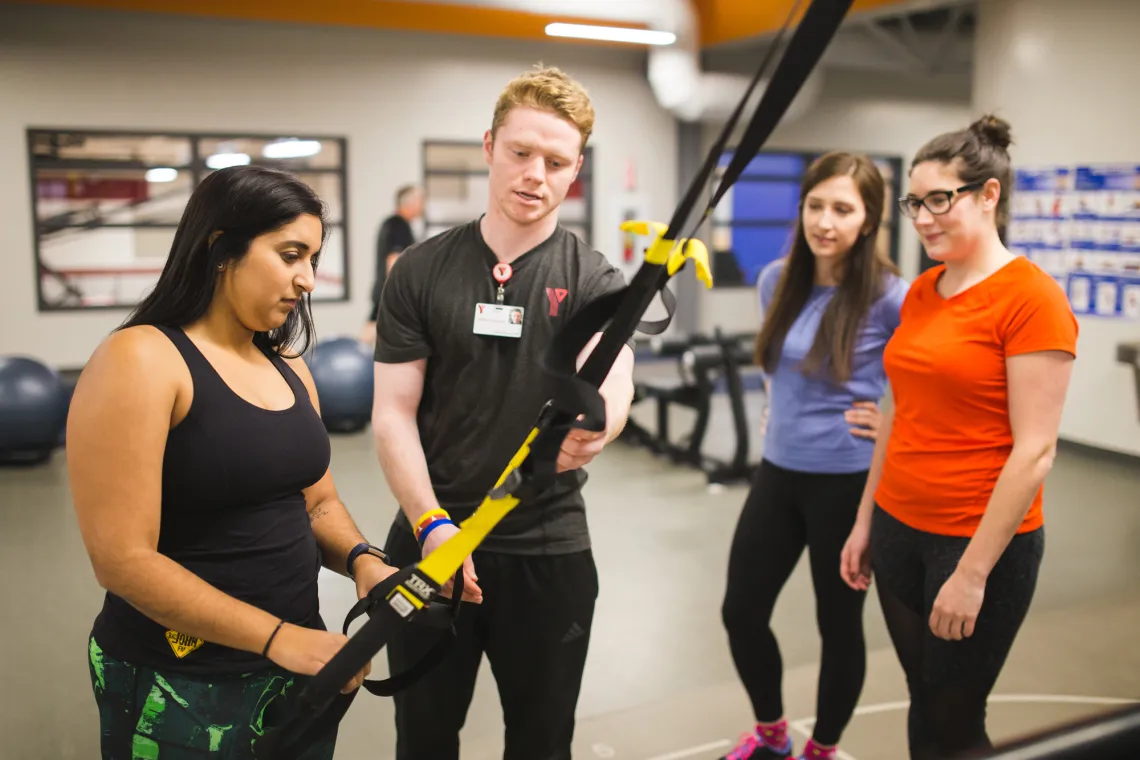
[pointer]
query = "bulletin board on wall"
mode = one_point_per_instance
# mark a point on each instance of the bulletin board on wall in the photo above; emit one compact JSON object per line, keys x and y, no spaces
{"x":754,"y":223}
{"x":1081,"y":224}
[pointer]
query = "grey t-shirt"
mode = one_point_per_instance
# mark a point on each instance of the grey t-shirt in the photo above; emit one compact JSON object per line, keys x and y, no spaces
{"x":482,"y":394}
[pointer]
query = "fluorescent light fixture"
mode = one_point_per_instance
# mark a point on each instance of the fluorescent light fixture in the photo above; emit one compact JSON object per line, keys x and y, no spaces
{"x":161,"y":174}
{"x":611,"y":34}
{"x":291,"y":148}
{"x":225,"y":160}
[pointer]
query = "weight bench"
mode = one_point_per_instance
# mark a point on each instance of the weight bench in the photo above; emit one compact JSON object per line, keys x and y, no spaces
{"x":703,"y":361}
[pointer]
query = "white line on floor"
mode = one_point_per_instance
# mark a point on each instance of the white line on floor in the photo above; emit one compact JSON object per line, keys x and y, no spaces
{"x":804,"y":725}
{"x":1065,"y":699}
{"x":1072,"y":699}
{"x":693,"y":750}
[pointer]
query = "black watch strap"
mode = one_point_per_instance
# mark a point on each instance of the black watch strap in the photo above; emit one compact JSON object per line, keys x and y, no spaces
{"x":363,"y":549}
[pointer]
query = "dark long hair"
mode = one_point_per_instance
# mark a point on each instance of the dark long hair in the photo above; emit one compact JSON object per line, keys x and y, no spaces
{"x":861,"y":281}
{"x":979,"y":152}
{"x":242,"y":202}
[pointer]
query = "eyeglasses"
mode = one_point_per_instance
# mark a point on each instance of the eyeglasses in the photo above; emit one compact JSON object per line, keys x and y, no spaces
{"x":937,"y":202}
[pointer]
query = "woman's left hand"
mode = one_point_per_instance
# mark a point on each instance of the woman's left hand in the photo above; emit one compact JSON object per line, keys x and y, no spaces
{"x":957,"y":606}
{"x":864,"y":418}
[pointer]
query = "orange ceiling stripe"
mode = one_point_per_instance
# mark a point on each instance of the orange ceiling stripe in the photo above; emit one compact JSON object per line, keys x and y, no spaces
{"x":384,"y":14}
{"x":732,"y":20}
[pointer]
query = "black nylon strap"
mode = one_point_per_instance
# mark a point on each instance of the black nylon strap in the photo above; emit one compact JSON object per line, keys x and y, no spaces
{"x":320,"y":705}
{"x":661,"y":325}
{"x":819,"y":25}
{"x":440,"y":615}
{"x":700,"y":180}
{"x":810,"y":40}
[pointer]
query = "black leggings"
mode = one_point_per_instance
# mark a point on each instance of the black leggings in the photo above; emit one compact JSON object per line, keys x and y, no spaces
{"x":785,"y":511}
{"x":949,"y":681}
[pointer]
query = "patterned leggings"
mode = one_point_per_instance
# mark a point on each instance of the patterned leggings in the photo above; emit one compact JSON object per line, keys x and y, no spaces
{"x":147,"y":715}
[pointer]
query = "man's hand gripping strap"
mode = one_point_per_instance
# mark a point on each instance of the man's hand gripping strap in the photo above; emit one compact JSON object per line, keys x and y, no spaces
{"x":575,"y":400}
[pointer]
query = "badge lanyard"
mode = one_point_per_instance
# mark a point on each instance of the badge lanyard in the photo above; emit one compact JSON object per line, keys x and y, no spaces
{"x":502,"y":272}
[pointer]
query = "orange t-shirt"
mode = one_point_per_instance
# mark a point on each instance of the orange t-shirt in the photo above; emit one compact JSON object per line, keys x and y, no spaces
{"x":946,"y":363}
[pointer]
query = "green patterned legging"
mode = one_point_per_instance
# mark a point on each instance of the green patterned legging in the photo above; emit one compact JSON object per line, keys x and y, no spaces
{"x":147,"y":715}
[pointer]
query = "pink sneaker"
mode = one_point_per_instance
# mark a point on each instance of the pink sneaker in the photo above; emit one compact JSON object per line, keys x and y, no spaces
{"x":752,"y":747}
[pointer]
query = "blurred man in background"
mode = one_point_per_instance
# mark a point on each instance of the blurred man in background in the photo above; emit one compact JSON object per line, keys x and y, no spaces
{"x":395,"y":235}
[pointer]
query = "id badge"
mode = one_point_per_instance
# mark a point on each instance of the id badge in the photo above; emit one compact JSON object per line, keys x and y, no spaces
{"x":499,"y":320}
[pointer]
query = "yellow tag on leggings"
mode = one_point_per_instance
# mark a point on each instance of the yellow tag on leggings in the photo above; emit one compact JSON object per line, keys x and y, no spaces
{"x":182,"y":644}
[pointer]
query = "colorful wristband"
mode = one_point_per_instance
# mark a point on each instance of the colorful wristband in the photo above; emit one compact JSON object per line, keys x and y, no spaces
{"x":434,"y":524}
{"x":427,"y":518}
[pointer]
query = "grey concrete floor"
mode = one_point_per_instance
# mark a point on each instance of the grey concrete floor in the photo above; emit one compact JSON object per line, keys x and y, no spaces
{"x":659,"y":681}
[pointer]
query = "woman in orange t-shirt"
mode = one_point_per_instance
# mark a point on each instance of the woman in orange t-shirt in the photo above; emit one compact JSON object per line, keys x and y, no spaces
{"x":951,"y":520}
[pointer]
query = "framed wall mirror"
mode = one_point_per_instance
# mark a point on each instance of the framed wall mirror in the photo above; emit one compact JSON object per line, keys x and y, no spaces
{"x":106,"y":205}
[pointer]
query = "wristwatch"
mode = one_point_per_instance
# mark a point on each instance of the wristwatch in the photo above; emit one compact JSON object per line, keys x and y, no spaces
{"x":364,"y":549}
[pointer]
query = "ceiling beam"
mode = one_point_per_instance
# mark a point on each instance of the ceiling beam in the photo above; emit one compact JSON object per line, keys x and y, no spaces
{"x":428,"y":17}
{"x":729,"y":21}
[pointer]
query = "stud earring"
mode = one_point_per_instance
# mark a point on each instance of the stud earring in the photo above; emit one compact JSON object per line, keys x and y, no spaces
{"x":221,"y":266}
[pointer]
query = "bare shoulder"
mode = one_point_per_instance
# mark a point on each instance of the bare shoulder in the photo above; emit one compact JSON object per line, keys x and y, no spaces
{"x":133,"y":355}
{"x":135,"y":377}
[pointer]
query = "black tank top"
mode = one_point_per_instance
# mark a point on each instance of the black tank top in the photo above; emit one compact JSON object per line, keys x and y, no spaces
{"x":232,"y":514}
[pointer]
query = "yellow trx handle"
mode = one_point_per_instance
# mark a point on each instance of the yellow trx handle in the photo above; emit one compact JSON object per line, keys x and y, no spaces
{"x":694,"y":250}
{"x":643,"y":227}
{"x":672,"y":253}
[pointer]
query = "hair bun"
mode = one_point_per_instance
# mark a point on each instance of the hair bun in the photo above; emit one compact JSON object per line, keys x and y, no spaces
{"x":993,"y":130}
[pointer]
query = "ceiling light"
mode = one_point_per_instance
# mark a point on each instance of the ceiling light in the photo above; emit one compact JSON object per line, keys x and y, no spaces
{"x":225,"y":160}
{"x":161,"y":174}
{"x":611,"y":34}
{"x":292,"y":148}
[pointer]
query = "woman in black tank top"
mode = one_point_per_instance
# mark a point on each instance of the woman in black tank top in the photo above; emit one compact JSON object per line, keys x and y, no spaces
{"x":199,"y":467}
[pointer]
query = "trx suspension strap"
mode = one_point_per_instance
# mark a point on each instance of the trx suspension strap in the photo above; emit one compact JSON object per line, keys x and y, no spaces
{"x":405,"y":604}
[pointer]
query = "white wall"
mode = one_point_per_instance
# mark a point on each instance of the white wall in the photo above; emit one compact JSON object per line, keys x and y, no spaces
{"x":384,"y":91}
{"x":873,"y":112}
{"x":1047,"y":66}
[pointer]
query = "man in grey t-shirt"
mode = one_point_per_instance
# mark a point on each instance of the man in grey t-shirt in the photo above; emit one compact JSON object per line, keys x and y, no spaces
{"x":464,"y":320}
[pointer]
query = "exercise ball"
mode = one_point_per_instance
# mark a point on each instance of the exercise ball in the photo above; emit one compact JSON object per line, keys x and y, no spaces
{"x":33,"y":410}
{"x":342,"y":372}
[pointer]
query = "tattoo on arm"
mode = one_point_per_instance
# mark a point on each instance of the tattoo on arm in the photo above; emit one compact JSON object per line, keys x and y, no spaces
{"x":318,"y":512}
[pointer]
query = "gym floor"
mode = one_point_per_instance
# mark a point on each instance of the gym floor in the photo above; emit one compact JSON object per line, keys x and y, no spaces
{"x":659,"y":682}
